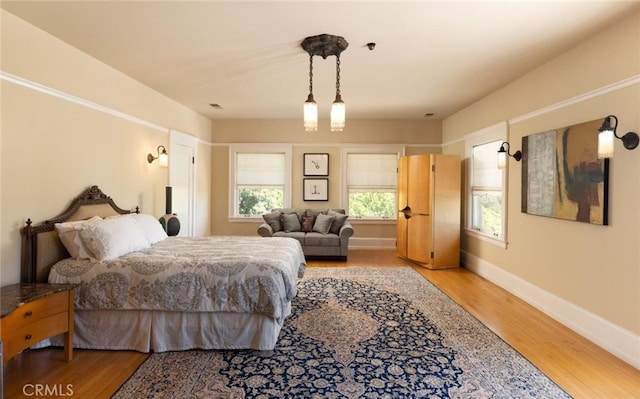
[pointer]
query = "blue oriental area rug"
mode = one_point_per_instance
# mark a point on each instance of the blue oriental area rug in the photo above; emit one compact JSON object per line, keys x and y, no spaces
{"x":356,"y":332}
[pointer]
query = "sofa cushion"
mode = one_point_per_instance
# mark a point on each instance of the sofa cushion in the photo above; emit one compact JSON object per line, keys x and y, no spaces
{"x":298,"y":235}
{"x":338,"y":221}
{"x":290,"y":222}
{"x":307,"y":223}
{"x":321,"y":240}
{"x":323,"y":223}
{"x":273,"y":220}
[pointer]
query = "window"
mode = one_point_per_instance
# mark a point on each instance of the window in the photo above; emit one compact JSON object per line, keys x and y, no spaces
{"x":486,"y":193}
{"x":371,"y":182}
{"x":260,"y":180}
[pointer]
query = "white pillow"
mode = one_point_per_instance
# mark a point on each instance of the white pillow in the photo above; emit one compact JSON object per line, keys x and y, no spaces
{"x":69,"y":233}
{"x":150,"y":226}
{"x":114,"y":237}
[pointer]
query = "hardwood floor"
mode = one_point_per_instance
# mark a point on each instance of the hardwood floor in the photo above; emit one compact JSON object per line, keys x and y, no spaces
{"x":581,"y":368}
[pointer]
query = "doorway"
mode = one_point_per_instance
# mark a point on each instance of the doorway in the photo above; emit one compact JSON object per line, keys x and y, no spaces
{"x":182,"y":172}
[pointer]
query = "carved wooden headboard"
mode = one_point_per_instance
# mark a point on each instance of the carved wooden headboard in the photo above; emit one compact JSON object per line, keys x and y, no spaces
{"x":41,"y":246}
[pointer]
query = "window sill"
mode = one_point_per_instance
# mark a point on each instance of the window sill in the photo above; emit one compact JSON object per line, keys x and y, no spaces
{"x":483,"y":237}
{"x":247,"y":219}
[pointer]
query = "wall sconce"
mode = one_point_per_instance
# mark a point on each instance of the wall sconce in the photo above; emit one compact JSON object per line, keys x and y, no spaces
{"x":502,"y":155}
{"x":606,"y":135}
{"x":162,"y":157}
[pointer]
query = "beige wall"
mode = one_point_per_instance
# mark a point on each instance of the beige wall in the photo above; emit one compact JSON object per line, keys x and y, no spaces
{"x":53,"y":147}
{"x":594,"y":268}
{"x":419,"y":136}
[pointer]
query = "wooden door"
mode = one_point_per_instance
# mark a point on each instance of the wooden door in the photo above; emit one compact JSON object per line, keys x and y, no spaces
{"x":419,"y":200}
{"x":403,"y":211}
{"x":418,"y":184}
{"x":182,"y":174}
{"x":446,"y":210}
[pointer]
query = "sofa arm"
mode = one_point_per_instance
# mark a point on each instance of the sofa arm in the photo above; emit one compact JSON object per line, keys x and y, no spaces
{"x":265,"y":230}
{"x":345,"y":232}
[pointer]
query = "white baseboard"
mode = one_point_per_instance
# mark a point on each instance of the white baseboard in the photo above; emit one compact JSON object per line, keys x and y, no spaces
{"x":615,"y":339}
{"x":372,"y":243}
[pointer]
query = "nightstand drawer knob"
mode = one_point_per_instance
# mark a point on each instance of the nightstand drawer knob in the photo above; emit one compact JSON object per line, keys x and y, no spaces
{"x":28,"y":337}
{"x":28,"y":314}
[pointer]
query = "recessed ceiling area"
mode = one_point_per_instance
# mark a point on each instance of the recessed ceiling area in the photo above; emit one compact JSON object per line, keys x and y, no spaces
{"x":430,"y":56}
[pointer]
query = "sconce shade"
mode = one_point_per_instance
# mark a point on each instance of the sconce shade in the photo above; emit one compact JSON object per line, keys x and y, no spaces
{"x":163,"y":157}
{"x":502,"y":159}
{"x":605,"y":144}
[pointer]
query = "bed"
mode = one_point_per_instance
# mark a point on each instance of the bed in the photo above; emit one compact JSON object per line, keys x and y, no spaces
{"x":172,"y":293}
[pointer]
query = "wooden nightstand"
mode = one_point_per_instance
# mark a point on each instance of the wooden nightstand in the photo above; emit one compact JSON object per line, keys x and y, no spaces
{"x":33,"y":312}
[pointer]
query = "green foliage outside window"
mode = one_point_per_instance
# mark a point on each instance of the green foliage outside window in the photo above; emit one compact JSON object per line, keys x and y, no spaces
{"x":258,"y":201}
{"x":372,"y":204}
{"x":490,"y":205}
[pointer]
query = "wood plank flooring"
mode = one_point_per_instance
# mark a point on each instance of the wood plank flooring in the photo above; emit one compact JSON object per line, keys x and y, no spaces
{"x":581,"y":368}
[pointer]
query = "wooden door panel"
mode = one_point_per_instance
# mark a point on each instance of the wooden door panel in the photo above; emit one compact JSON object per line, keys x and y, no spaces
{"x":418,"y":184}
{"x":419,"y":238}
{"x":401,"y":235}
{"x":402,"y":183}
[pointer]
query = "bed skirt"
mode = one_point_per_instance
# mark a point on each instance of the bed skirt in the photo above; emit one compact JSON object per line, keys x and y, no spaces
{"x":161,"y":331}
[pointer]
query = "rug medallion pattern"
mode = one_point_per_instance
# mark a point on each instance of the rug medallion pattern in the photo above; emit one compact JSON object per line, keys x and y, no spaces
{"x":356,"y":333}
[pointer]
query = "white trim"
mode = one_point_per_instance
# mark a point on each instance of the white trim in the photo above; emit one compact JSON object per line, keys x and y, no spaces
{"x":80,"y":101}
{"x":485,"y":238}
{"x":399,"y":149}
{"x":258,"y":148}
{"x":621,"y":84}
{"x":372,"y":243}
{"x":496,"y":132}
{"x":615,"y":339}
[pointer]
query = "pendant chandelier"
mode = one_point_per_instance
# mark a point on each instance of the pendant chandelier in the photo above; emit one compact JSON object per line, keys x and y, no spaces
{"x":324,"y":45}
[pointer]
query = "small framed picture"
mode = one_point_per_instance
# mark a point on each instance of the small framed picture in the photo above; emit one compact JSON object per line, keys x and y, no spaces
{"x":315,"y":190}
{"x":316,"y":164}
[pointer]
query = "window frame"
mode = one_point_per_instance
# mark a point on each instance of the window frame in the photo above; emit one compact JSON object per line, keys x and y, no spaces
{"x":235,"y":149}
{"x":497,"y":132}
{"x":374,"y":149}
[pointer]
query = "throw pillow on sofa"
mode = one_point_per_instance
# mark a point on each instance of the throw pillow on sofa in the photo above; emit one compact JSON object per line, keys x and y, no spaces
{"x":323,"y":223}
{"x":290,"y":222}
{"x":307,"y":223}
{"x":273,"y":220}
{"x":338,"y":221}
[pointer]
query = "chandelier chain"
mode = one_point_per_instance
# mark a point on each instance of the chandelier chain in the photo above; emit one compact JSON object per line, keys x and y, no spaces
{"x":337,"y":75}
{"x":311,"y":74}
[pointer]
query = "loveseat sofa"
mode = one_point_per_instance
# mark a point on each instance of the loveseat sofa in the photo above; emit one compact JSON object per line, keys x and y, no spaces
{"x":321,"y":232}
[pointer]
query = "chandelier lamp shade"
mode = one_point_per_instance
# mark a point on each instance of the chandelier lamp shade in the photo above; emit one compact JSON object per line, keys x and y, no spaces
{"x":310,"y":106}
{"x":608,"y":134}
{"x":324,"y":45}
{"x":338,"y":111}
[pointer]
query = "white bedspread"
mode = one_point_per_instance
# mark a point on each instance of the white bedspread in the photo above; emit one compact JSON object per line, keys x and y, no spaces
{"x":194,"y":274}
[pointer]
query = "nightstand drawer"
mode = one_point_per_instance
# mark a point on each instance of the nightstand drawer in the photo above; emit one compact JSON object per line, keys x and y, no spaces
{"x":34,"y":311}
{"x":31,"y":333}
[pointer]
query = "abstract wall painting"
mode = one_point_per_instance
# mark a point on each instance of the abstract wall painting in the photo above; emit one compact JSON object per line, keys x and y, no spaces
{"x":562,"y":176}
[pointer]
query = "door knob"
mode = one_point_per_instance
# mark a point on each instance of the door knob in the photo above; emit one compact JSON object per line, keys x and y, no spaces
{"x":406,"y":211}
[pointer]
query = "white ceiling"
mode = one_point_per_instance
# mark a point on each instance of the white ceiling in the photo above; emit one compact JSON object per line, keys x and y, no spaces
{"x":431,"y":56}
